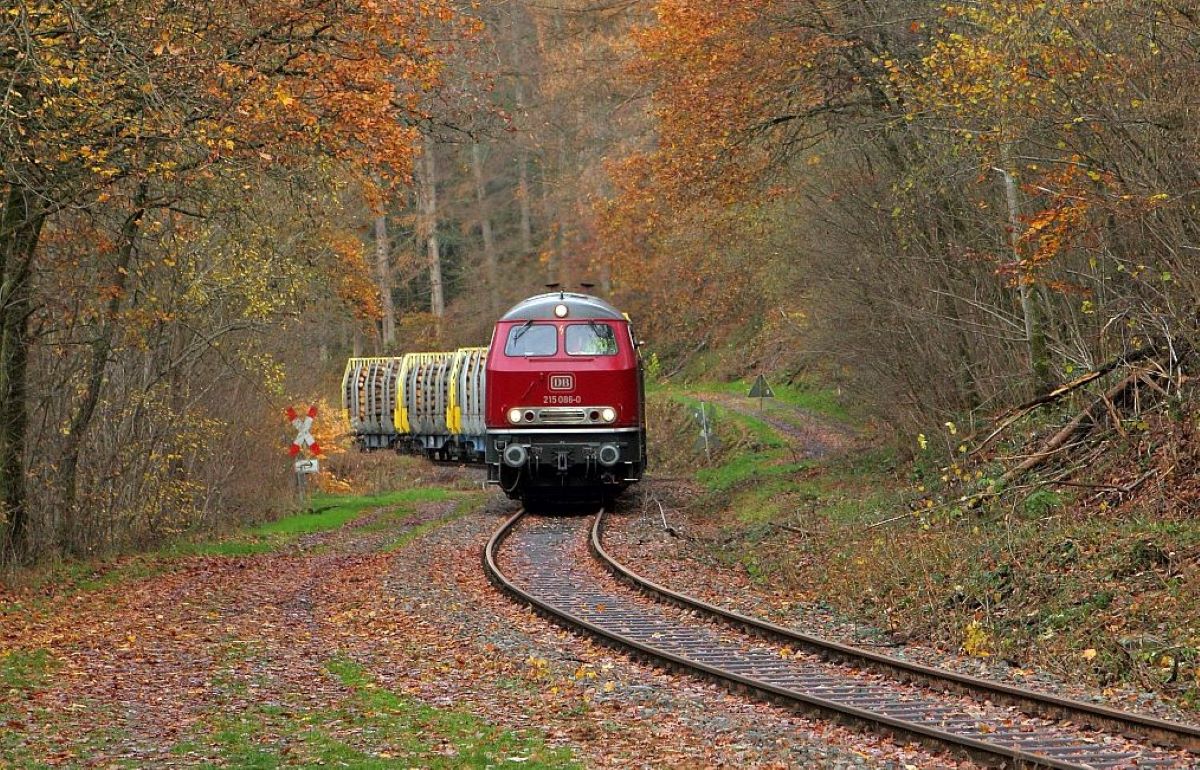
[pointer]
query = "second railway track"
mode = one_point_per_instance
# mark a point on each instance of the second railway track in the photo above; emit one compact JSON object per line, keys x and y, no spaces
{"x":544,"y":563}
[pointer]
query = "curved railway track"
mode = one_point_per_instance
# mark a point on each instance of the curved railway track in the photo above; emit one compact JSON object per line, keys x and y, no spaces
{"x":545,"y":566}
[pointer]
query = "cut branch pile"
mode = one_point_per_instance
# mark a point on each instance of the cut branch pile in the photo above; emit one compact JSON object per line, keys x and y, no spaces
{"x":1141,"y":371}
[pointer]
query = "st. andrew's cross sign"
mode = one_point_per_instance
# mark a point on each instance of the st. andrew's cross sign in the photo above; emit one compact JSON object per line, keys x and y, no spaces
{"x":304,"y":438}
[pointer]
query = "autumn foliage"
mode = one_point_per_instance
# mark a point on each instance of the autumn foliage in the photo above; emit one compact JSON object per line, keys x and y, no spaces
{"x":174,"y":179}
{"x":967,"y":201}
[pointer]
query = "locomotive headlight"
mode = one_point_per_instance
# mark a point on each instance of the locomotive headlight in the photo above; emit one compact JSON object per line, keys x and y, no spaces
{"x":608,"y":414}
{"x":514,"y":415}
{"x":560,"y":311}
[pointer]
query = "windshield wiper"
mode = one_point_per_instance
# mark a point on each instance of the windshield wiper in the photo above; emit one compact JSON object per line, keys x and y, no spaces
{"x":521,"y":332}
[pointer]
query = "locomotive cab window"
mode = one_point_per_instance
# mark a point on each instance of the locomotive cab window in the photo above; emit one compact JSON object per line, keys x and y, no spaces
{"x":591,"y":339}
{"x":532,"y":340}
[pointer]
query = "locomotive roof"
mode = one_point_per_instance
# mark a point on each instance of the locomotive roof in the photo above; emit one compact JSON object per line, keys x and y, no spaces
{"x":541,"y":307}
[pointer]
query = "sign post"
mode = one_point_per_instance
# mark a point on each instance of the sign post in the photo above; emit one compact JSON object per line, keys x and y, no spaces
{"x":708,"y":436}
{"x":304,"y":442}
{"x":760,"y":390}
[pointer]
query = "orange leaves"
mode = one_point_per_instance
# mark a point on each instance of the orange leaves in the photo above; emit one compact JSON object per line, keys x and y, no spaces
{"x":352,"y":282}
{"x":725,"y":76}
{"x":232,"y":80}
{"x":731,"y":82}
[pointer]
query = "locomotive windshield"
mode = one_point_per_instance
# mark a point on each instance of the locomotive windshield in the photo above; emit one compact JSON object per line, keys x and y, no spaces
{"x":532,"y":340}
{"x":591,"y":339}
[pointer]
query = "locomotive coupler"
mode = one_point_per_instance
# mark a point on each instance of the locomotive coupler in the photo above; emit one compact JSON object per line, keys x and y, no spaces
{"x":562,"y":460}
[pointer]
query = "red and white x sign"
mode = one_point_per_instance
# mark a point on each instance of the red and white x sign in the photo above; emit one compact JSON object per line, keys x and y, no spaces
{"x":303,"y":426}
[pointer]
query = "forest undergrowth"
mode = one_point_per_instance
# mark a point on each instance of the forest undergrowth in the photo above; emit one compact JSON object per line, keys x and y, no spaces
{"x":1087,"y":567}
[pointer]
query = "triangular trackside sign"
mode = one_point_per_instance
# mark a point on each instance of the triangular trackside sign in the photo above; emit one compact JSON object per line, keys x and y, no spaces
{"x":760,"y":389}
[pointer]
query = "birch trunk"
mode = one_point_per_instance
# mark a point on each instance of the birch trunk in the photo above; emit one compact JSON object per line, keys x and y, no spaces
{"x":1035,"y":330}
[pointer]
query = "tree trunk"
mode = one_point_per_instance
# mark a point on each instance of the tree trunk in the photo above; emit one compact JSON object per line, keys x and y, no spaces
{"x":428,"y":208}
{"x":383,"y":270}
{"x":20,"y":227}
{"x":557,"y":256}
{"x":1035,"y":329}
{"x":101,"y":349}
{"x":523,"y":192}
{"x":490,"y":260}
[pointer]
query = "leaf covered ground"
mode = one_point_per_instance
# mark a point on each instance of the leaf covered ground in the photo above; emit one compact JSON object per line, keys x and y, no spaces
{"x":362,"y":635}
{"x":248,"y":660}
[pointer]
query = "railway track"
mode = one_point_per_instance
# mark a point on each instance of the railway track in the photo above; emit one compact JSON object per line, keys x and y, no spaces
{"x":546,"y":565}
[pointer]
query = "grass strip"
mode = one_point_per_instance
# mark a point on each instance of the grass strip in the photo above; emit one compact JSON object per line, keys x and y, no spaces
{"x":372,"y":727}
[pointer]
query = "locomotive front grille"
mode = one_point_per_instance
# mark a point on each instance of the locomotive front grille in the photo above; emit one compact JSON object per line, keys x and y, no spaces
{"x":562,"y":416}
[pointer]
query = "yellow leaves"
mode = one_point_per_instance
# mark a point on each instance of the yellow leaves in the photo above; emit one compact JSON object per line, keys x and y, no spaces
{"x":976,"y":640}
{"x":1089,"y":654}
{"x":283,"y":97}
{"x":540,"y":667}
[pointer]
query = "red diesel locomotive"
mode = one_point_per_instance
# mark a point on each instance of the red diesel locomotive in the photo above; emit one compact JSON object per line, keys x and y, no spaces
{"x":565,"y":411}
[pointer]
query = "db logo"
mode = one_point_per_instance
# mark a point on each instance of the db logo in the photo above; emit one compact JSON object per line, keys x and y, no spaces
{"x":562,"y":382}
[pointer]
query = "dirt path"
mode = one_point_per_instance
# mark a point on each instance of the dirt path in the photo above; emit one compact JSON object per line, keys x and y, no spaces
{"x":809,"y":434}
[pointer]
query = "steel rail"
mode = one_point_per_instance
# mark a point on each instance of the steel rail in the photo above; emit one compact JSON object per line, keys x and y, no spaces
{"x":990,"y":753}
{"x":1157,"y":731}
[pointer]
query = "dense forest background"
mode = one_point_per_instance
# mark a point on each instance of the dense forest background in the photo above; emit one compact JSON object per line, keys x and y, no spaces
{"x":943,"y":208}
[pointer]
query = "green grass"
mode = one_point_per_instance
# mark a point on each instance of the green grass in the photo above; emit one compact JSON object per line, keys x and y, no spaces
{"x":371,"y":728}
{"x":330,"y":512}
{"x":757,"y":480}
{"x":465,"y":505}
{"x":26,"y":669}
{"x":334,"y":512}
{"x":817,"y":400}
{"x":744,"y":467}
{"x":758,"y":430}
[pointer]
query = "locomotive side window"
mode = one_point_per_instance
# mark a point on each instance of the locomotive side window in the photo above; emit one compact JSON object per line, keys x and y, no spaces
{"x":532,"y":340}
{"x":591,"y":339}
